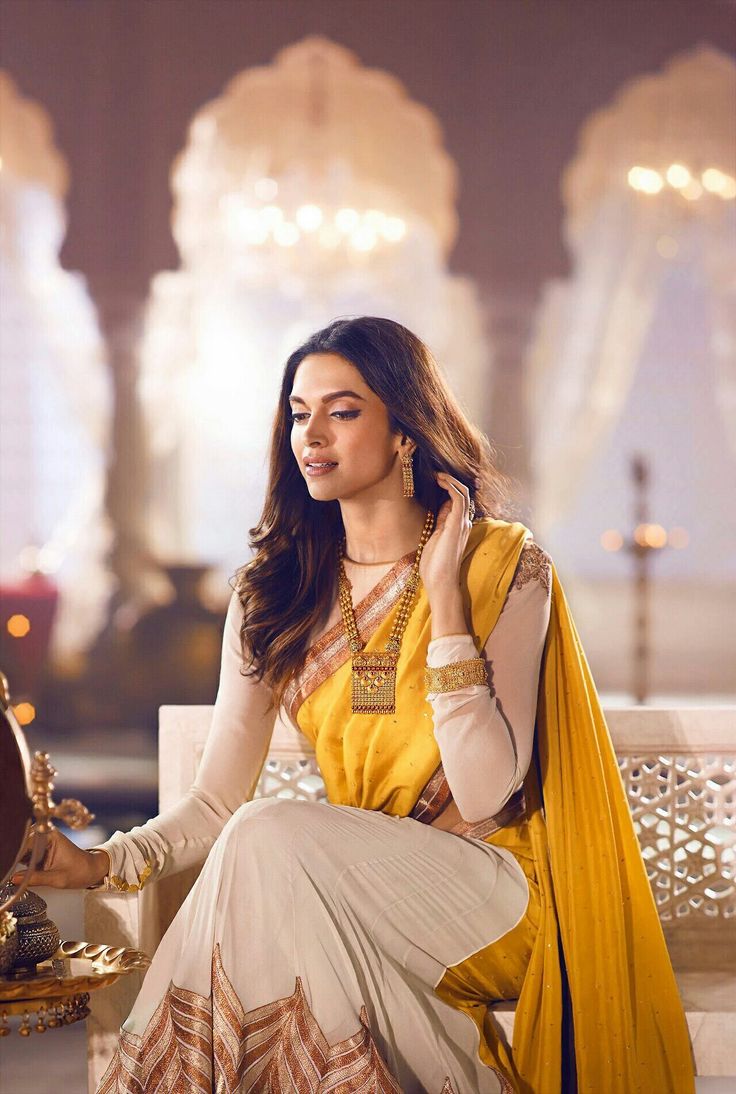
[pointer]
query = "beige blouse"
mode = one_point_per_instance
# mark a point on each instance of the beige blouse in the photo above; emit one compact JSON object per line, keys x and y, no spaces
{"x":484,"y":732}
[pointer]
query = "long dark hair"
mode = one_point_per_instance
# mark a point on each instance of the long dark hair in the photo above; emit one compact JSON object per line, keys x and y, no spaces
{"x":290,"y":583}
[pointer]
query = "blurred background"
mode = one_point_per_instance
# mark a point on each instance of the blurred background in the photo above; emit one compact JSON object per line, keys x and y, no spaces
{"x":543,"y":190}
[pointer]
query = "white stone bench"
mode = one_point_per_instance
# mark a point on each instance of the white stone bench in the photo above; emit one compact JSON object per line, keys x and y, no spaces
{"x":679,"y":769}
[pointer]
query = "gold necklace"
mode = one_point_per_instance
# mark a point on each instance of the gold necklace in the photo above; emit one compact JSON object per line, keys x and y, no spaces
{"x":374,"y":673}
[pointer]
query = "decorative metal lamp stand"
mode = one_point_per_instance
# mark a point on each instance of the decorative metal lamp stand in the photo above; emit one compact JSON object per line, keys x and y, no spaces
{"x":44,"y":981}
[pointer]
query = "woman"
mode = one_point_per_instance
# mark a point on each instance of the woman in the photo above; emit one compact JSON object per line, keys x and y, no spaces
{"x":477,"y":845}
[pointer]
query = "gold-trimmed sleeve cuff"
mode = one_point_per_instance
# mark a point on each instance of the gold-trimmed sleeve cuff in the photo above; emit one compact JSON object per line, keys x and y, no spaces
{"x":127,"y":873}
{"x":457,"y":674}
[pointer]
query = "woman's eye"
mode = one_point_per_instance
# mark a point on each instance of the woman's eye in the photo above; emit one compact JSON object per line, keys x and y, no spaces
{"x":342,"y":414}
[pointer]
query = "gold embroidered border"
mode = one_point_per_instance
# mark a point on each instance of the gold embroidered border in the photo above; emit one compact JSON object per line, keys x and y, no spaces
{"x":196,"y":1043}
{"x":331,"y":649}
{"x":436,"y":795}
{"x":514,"y":808}
{"x":433,"y":798}
{"x":124,"y":886}
{"x":534,"y":565}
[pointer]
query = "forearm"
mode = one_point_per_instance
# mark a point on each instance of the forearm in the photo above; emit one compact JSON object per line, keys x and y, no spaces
{"x":167,"y":843}
{"x":485,"y":729}
{"x":234,"y":754}
{"x":476,"y":746}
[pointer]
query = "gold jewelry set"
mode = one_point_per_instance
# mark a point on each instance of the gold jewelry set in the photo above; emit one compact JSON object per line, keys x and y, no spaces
{"x":374,"y":673}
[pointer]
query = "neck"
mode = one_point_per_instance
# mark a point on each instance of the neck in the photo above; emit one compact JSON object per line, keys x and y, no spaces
{"x":382,"y":531}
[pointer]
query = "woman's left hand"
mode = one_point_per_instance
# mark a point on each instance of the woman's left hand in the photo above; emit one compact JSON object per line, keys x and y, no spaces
{"x":439,"y":566}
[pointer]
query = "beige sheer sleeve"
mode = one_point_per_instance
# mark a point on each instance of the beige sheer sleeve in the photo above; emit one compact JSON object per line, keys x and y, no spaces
{"x":485,"y":732}
{"x":235,"y":751}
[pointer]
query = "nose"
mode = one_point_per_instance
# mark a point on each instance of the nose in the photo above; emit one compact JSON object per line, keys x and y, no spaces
{"x":313,"y":434}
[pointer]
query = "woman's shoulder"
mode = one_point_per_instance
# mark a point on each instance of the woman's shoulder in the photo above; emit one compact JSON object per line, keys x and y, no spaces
{"x":534,"y":565}
{"x":498,"y":537}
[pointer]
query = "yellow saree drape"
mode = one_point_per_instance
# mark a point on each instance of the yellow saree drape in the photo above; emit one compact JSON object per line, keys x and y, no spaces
{"x":599,"y":1009}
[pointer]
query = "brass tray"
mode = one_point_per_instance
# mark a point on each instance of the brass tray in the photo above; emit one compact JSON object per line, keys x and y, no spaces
{"x":76,"y":967}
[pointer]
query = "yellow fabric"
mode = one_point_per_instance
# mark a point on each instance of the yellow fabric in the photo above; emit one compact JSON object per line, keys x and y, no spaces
{"x":495,"y":973}
{"x":615,"y":984}
{"x":381,"y":761}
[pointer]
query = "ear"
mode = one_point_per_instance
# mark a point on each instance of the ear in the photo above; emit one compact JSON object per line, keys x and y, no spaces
{"x":407,"y":445}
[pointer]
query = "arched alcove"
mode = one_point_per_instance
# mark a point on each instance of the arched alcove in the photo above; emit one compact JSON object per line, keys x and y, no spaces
{"x":312,"y":188}
{"x":636,"y":353}
{"x":55,"y":398}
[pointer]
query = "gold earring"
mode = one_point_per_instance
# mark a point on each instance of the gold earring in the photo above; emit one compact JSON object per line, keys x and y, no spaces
{"x":407,"y":471}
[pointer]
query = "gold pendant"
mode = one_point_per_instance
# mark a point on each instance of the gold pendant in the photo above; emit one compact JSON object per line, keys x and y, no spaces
{"x":374,"y":682}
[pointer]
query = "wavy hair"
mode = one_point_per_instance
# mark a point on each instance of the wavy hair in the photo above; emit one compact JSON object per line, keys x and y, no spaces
{"x":290,"y":583}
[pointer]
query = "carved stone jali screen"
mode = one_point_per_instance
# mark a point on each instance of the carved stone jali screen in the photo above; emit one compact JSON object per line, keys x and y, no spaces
{"x":684,"y":810}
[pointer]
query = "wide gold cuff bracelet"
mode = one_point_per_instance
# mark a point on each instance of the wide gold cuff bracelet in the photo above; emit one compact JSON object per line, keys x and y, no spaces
{"x":459,"y":674}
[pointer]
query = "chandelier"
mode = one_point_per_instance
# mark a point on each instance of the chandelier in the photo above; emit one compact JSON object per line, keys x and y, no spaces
{"x":312,"y":163}
{"x":692,"y":185}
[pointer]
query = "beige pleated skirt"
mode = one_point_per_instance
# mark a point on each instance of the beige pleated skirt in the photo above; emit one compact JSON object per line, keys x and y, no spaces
{"x":306,"y":956}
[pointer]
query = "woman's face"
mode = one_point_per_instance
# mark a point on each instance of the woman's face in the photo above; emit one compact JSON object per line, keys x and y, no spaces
{"x":348,"y":431}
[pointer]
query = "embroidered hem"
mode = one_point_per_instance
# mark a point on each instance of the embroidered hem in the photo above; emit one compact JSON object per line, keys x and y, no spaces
{"x":197,"y":1043}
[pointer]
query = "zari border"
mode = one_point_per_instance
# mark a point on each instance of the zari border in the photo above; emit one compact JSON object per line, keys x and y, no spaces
{"x":198,"y":1043}
{"x":514,"y":808}
{"x":436,"y":796}
{"x":433,"y":799}
{"x":331,"y":649}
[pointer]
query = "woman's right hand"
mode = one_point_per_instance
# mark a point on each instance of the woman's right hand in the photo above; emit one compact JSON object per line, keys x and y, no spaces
{"x":64,"y":865}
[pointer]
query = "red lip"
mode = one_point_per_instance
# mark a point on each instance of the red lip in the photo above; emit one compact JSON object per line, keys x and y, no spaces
{"x":316,"y":459}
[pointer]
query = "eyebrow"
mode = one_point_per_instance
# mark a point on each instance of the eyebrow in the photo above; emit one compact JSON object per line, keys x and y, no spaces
{"x":328,"y":398}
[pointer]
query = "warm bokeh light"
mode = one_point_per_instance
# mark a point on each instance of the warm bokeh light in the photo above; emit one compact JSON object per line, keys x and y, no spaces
{"x":718,"y":182}
{"x":650,"y":535}
{"x":271,"y":215}
{"x":25,"y":713}
{"x":612,"y":540}
{"x":678,"y":175}
{"x":255,"y":227}
{"x":286,"y":234}
{"x":645,"y":179}
{"x":309,"y":217}
{"x":692,"y":191}
{"x":18,"y":626}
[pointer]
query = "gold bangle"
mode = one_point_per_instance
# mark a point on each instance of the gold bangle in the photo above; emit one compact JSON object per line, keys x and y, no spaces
{"x":459,"y":674}
{"x":108,"y":859}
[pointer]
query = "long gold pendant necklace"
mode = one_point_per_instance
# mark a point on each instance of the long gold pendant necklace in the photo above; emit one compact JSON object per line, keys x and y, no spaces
{"x":374,"y":673}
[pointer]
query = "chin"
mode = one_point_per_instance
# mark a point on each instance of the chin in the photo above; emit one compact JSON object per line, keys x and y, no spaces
{"x":321,"y":492}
